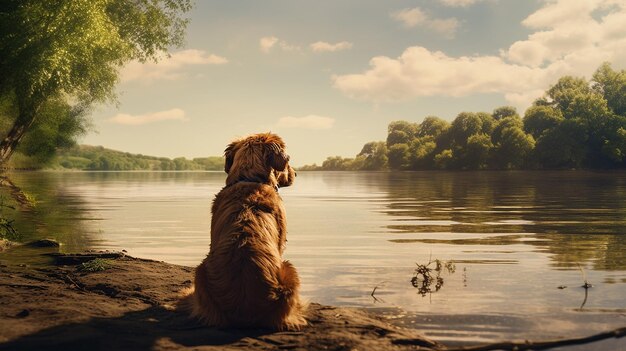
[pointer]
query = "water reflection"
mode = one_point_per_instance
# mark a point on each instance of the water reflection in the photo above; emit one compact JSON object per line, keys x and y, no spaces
{"x":515,"y":236}
{"x":44,"y":210}
{"x":577,"y":217}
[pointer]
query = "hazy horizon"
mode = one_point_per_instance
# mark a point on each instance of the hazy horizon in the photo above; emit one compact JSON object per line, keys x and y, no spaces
{"x":329,"y":76}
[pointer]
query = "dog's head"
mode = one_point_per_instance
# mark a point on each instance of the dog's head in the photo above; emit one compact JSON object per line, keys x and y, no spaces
{"x":258,"y":158}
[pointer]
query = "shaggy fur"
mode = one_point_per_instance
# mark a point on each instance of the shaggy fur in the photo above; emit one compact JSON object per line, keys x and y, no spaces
{"x":243,"y":281}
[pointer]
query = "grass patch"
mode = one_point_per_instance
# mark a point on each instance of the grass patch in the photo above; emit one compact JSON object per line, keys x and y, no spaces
{"x":95,"y":265}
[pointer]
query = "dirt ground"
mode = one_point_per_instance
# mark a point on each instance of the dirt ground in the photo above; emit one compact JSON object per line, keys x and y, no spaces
{"x":131,"y":305}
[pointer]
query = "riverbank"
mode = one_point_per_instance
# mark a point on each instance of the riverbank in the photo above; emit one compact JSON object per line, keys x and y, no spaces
{"x":118,"y":302}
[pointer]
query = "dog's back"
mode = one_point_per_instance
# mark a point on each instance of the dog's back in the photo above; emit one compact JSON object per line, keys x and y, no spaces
{"x":243,"y":281}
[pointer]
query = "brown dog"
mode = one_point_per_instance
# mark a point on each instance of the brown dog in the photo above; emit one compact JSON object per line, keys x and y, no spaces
{"x":243,"y":281}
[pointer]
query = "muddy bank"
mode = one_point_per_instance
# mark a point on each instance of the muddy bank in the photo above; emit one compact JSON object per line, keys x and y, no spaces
{"x":125,"y":303}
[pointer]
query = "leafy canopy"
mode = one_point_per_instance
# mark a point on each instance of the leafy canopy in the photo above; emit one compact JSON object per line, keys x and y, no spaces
{"x":76,"y":47}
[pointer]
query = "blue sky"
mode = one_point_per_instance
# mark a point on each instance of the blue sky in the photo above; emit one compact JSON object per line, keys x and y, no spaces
{"x":329,"y":76}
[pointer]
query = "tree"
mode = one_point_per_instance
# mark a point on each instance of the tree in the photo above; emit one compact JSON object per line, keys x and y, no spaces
{"x":513,"y":148}
{"x":337,"y":163}
{"x":422,"y":152}
{"x":374,"y":155}
{"x":565,"y":91}
{"x":400,"y":132}
{"x":503,"y":112}
{"x":432,"y":126}
{"x":614,"y":146}
{"x":476,"y":152}
{"x":612,"y":86}
{"x":589,"y":106}
{"x":488,"y":122}
{"x":444,"y":159}
{"x":398,"y":156}
{"x":465,"y":125}
{"x":513,"y":121}
{"x":73,"y":50}
{"x":398,"y":137}
{"x":58,"y":127}
{"x":407,"y":127}
{"x":538,"y":119}
{"x":563,"y":146}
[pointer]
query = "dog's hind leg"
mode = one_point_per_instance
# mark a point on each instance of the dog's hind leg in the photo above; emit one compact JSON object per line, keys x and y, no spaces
{"x":290,"y":312}
{"x":202,"y":304}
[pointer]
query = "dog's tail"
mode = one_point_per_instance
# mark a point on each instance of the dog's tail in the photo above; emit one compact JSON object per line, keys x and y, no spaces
{"x":292,"y":310}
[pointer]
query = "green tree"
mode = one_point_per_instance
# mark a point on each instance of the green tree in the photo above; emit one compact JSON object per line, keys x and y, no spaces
{"x":476,"y":153}
{"x":432,"y":126}
{"x":422,"y":152}
{"x":503,"y":112}
{"x":612,"y":86}
{"x":444,"y":159}
{"x":398,"y":156}
{"x":613,"y":147}
{"x":337,"y":163}
{"x":540,"y":118}
{"x":58,"y":127}
{"x":73,"y":49}
{"x":464,"y":126}
{"x":488,"y":122}
{"x":513,"y":121}
{"x":400,"y":132}
{"x":589,"y":106}
{"x":374,"y":155}
{"x":397,"y":137}
{"x":513,"y":148}
{"x":563,"y":146}
{"x":566,"y":90}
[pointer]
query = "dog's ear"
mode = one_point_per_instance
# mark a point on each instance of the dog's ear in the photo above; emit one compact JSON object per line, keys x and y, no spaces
{"x":278,"y":159}
{"x":229,"y":155}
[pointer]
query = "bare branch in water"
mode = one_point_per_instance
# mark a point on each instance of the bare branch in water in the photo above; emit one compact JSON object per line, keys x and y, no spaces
{"x":544,"y":345}
{"x":376,"y":299}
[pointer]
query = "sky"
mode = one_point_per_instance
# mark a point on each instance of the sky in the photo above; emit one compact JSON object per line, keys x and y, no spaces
{"x":329,"y":76}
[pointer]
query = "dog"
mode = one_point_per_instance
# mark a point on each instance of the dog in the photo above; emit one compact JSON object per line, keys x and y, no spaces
{"x":243,"y":281}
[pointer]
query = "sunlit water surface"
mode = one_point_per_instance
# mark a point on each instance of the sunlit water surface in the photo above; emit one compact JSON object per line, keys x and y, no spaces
{"x":522,"y":243}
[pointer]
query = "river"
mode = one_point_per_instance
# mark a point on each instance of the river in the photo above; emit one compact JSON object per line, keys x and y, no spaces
{"x":518,"y":245}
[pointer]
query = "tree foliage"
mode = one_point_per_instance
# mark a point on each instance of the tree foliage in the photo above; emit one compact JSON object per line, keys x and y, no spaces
{"x":577,"y":124}
{"x":98,"y":158}
{"x":72,"y":50}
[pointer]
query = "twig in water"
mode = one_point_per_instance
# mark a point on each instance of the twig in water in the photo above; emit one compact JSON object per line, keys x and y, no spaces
{"x":586,"y":285}
{"x":544,"y":345}
{"x":374,"y":292}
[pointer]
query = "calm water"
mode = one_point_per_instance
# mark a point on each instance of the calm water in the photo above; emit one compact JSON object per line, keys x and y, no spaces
{"x":514,"y":239}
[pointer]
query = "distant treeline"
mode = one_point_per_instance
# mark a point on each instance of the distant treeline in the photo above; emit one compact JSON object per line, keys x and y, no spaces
{"x":98,"y":158}
{"x":577,"y":124}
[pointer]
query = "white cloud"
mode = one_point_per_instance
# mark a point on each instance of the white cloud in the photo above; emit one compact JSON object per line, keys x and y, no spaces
{"x":169,"y":67}
{"x":268,"y":43}
{"x":322,"y":46}
{"x":572,"y":45}
{"x":410,"y":17}
{"x":174,"y":114}
{"x":306,"y":122}
{"x":459,"y":3}
{"x":417,"y":17}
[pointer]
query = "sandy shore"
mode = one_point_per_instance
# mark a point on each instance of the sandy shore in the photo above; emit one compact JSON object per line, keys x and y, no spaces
{"x":131,"y":305}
